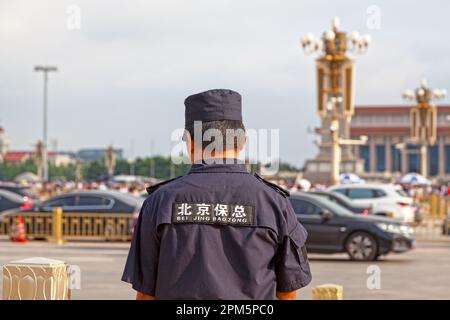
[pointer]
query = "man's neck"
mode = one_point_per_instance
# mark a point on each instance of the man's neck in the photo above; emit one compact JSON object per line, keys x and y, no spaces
{"x":216,"y":157}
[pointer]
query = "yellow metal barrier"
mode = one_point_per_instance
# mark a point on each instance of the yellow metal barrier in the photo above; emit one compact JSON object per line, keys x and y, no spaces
{"x":442,"y":207}
{"x":438,"y":206}
{"x":71,"y":225}
{"x":433,"y":204}
{"x":432,"y":226}
{"x":57,"y":234}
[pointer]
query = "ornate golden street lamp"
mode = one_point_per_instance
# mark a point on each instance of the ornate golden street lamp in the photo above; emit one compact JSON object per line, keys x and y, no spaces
{"x":424,"y":119}
{"x":335,"y":85}
{"x":110,"y":160}
{"x":39,"y":159}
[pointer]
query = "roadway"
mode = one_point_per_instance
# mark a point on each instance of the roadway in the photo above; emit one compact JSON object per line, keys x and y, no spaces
{"x":419,"y":274}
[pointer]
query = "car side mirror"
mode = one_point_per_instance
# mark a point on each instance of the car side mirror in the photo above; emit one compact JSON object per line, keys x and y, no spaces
{"x":326,"y":214}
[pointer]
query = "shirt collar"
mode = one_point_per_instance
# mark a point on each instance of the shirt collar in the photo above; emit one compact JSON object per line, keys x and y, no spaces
{"x":221,"y":166}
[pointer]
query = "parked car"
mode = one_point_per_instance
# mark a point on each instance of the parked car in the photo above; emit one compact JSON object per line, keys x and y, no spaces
{"x":95,"y":201}
{"x":22,"y":191}
{"x":345,"y":202}
{"x":10,"y":200}
{"x":386,"y":199}
{"x":333,"y":229}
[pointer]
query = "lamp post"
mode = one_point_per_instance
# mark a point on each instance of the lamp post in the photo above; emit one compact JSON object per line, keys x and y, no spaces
{"x":424,"y":119}
{"x":45,"y":70}
{"x":39,"y":157}
{"x":335,"y":86}
{"x":110,"y":160}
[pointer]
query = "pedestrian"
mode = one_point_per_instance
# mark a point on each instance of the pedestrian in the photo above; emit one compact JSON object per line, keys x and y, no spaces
{"x":217,"y":232}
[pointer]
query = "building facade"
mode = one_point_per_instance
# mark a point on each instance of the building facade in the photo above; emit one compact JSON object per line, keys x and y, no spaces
{"x":389,"y":151}
{"x":20,"y":157}
{"x":97,"y":154}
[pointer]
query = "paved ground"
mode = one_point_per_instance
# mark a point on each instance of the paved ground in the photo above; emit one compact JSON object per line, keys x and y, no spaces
{"x":420,"y":274}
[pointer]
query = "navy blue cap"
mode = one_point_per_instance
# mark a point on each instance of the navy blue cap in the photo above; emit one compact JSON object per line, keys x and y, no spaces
{"x":213,"y":105}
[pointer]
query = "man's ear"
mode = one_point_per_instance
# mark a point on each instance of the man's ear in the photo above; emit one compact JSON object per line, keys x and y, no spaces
{"x":244,"y":143}
{"x":189,"y":144}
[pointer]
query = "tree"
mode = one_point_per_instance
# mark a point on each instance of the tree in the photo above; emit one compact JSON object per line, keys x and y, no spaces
{"x":8,"y":171}
{"x":162,"y":167}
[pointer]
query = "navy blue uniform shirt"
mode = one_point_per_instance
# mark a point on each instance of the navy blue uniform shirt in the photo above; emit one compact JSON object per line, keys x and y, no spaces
{"x":217,"y":233}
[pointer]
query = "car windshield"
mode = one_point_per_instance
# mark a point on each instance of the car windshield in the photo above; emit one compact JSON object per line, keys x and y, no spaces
{"x":22,"y":191}
{"x":130,"y":199}
{"x":334,"y":207}
{"x":10,"y":195}
{"x":27,"y":192}
{"x":335,"y":195}
{"x":402,"y":193}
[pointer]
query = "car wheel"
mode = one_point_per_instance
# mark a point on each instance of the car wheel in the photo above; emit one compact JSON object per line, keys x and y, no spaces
{"x":362,"y":246}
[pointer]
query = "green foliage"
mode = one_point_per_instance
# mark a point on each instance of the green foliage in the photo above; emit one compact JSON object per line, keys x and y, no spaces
{"x":284,"y":166}
{"x":162,"y":168}
{"x":62,"y":172}
{"x":9,"y":171}
{"x":93,"y":170}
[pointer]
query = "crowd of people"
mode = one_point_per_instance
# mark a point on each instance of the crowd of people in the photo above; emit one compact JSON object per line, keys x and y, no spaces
{"x":44,"y":190}
{"x":416,"y":191}
{"x":138,"y":187}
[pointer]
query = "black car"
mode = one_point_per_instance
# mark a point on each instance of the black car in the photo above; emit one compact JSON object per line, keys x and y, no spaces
{"x":345,"y":202}
{"x":95,"y":201}
{"x":332,"y":229}
{"x":23,"y":191}
{"x":10,"y":200}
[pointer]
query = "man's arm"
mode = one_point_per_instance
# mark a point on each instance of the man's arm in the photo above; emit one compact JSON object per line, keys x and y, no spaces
{"x":142,"y":262}
{"x":291,"y":266}
{"x":287,"y":295}
{"x":143,"y":296}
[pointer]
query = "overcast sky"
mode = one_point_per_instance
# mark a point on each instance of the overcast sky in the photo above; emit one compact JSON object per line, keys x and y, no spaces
{"x":124,"y":75}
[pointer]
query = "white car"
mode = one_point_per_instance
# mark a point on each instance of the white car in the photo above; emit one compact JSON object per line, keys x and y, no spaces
{"x":386,"y":199}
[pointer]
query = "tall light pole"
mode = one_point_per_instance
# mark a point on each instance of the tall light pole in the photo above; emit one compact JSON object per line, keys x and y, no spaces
{"x":45,"y":70}
{"x":335,"y":82}
{"x":424,"y":119}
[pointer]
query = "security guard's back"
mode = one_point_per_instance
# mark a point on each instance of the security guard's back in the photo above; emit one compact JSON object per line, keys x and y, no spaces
{"x":217,"y":232}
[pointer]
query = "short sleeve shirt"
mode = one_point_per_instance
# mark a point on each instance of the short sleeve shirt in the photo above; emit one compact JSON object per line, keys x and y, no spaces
{"x":217,"y":233}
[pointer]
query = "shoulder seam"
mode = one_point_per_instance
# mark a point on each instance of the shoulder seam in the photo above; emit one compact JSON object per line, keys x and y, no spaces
{"x":278,"y":189}
{"x":154,"y":187}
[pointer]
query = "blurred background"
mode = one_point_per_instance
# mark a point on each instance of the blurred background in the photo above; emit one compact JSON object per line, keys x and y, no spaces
{"x":92,"y":92}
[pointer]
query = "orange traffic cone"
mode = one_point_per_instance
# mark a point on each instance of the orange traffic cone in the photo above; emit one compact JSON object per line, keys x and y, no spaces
{"x":20,"y":234}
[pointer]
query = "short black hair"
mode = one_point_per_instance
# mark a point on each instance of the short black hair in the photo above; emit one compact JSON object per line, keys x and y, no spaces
{"x":231,"y":131}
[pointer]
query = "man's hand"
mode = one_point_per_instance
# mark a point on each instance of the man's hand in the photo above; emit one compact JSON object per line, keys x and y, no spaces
{"x":143,"y":296}
{"x":287,"y":295}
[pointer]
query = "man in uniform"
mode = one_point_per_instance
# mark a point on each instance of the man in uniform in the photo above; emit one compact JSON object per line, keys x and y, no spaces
{"x":217,"y":232}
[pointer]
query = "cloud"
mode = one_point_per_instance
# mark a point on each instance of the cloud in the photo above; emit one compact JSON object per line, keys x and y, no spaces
{"x":125,"y":74}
